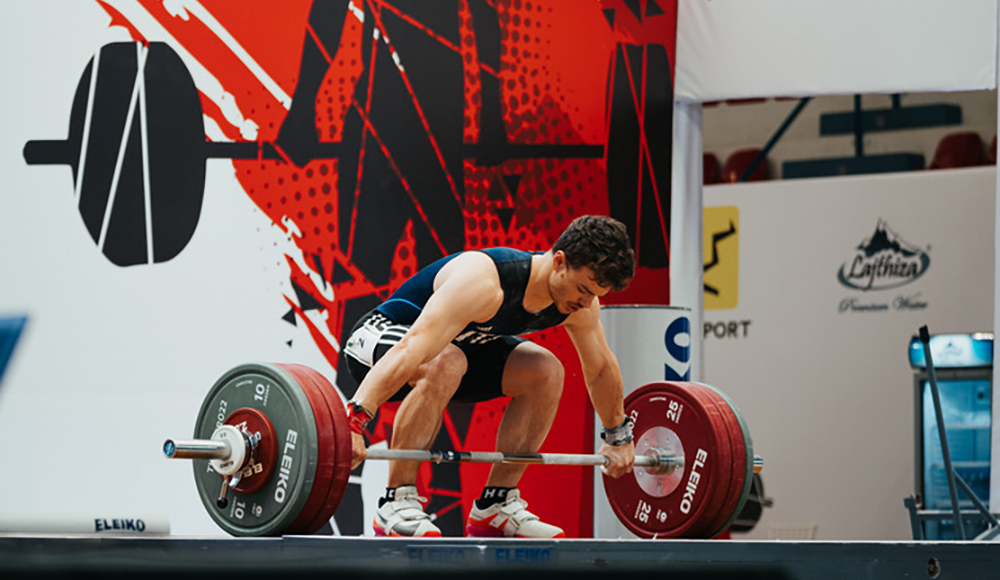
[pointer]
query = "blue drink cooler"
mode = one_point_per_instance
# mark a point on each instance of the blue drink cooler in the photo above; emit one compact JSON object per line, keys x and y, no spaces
{"x":964,"y":366}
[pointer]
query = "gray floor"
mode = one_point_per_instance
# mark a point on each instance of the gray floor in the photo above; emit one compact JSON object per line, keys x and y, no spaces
{"x":357,"y":558}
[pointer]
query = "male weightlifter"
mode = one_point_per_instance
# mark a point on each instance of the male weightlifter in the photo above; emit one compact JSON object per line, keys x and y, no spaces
{"x":449,"y":333}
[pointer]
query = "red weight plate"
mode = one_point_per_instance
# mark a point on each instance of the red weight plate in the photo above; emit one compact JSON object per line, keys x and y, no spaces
{"x":741,"y":477}
{"x":720,"y":487}
{"x":324,"y":464}
{"x":729,"y":490}
{"x":672,"y":505}
{"x":682,"y":501}
{"x":723,"y":467}
{"x":342,"y":451}
{"x":325,"y":455}
{"x":742,"y":461}
{"x":725,"y":476}
{"x":259,"y":471}
{"x":725,"y":488}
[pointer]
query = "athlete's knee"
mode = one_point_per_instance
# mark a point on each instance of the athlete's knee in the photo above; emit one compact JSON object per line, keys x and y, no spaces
{"x":541,"y":375}
{"x":444,"y":372}
{"x":552,"y":375}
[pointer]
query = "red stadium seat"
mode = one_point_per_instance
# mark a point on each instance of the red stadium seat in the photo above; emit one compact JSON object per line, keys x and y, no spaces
{"x":964,"y":149}
{"x":991,"y":157}
{"x":710,"y":169}
{"x":738,"y":162}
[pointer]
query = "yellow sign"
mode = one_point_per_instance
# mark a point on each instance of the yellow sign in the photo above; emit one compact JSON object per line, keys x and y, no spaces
{"x":721,"y":259}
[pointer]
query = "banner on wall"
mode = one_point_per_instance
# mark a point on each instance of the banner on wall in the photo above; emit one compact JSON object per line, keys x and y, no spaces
{"x":813,"y":291}
{"x":379,"y":136}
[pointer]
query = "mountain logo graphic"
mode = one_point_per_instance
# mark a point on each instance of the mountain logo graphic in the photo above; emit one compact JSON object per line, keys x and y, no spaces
{"x":882,"y":261}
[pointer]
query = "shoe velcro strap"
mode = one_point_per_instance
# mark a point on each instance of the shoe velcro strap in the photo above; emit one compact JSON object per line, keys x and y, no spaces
{"x":523,"y":517}
{"x":514,"y":506}
{"x":406,"y":514}
{"x":409,"y":511}
{"x":517,"y":510}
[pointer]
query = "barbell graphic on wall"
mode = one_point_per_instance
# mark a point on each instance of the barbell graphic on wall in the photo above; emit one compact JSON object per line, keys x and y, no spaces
{"x":137,"y":150}
{"x":272,"y":456}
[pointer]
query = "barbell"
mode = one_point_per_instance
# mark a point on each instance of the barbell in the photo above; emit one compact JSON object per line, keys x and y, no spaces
{"x":275,"y":437}
{"x":137,"y":149}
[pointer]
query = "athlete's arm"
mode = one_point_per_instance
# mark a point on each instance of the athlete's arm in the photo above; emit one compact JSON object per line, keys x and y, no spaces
{"x":604,"y":381}
{"x":466,"y":289}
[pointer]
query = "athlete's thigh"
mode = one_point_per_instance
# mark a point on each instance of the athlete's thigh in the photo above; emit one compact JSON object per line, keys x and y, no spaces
{"x":486,"y":363}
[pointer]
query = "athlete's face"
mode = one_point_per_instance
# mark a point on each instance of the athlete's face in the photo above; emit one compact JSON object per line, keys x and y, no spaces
{"x":573,"y":289}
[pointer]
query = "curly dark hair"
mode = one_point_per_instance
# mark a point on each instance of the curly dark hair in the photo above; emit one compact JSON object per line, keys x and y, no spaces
{"x":602,"y":243}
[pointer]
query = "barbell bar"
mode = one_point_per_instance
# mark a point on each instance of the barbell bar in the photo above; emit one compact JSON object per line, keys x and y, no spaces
{"x":222,"y":451}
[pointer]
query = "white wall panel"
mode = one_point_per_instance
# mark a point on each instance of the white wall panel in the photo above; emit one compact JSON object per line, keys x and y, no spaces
{"x":825,"y":386}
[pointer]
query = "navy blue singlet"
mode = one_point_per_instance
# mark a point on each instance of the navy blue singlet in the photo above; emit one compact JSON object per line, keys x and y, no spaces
{"x":514,"y":268}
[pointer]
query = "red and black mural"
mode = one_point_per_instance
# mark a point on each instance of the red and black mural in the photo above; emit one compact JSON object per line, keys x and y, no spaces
{"x":382,"y":135}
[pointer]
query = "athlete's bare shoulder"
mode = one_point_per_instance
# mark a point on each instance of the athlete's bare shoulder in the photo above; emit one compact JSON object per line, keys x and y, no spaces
{"x":472,"y":274}
{"x":468,"y":267}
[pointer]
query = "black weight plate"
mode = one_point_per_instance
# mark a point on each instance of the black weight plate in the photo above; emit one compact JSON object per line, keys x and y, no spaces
{"x":276,"y":393}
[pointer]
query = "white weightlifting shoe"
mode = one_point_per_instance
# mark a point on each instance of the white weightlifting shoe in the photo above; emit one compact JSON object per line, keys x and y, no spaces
{"x":510,"y":519}
{"x":404,"y":516}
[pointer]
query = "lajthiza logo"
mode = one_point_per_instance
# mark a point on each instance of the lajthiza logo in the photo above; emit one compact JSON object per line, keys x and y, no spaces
{"x":882,"y":261}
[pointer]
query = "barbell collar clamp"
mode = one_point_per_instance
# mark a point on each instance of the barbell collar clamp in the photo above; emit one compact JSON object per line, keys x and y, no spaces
{"x":221,"y":501}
